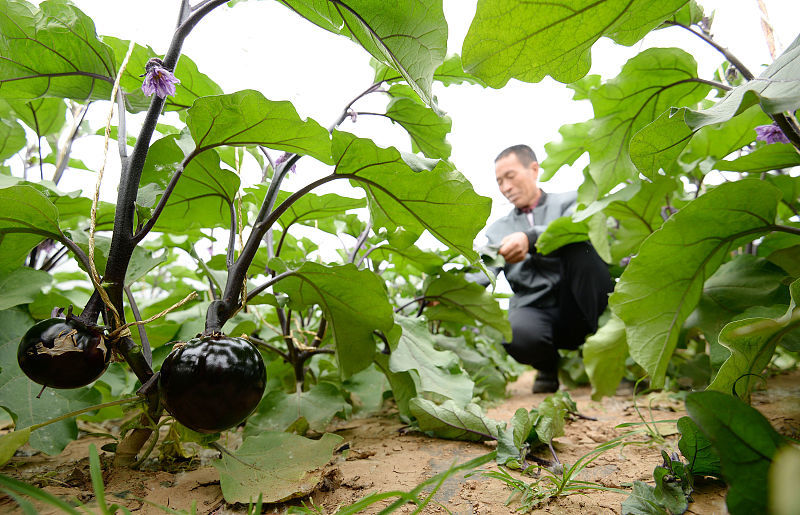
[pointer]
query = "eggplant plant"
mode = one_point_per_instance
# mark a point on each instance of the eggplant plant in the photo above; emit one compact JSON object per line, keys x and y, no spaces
{"x":690,"y":195}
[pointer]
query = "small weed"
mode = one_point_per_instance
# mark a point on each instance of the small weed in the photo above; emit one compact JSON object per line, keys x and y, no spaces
{"x":561,"y":481}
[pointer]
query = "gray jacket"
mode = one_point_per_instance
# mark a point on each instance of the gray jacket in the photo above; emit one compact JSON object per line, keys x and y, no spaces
{"x":534,"y":280}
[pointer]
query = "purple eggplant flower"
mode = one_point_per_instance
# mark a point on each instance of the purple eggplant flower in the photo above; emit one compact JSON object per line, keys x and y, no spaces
{"x":771,"y":134}
{"x":158,"y":79}
{"x":282,"y":159}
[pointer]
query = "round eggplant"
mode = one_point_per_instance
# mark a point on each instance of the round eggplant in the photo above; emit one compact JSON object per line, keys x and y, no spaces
{"x":212,"y":383}
{"x":60,"y":353}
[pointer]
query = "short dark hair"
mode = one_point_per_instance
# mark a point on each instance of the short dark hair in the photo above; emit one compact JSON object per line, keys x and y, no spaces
{"x":524,"y":153}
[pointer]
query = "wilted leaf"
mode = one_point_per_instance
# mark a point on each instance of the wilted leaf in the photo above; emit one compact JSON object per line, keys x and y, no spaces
{"x":453,"y":422}
{"x":275,"y":466}
{"x":435,"y":375}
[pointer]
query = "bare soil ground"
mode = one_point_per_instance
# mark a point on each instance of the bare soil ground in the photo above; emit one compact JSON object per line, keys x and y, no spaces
{"x":382,"y":455}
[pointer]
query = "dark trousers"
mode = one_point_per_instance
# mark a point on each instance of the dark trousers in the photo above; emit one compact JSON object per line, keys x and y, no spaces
{"x":582,"y":295}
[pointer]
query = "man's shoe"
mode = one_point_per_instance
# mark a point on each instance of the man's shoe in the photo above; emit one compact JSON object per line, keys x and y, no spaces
{"x":545,"y":382}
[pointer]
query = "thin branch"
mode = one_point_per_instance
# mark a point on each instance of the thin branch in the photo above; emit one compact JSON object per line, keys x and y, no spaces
{"x":39,"y":140}
{"x":746,"y":73}
{"x":256,"y":291}
{"x":366,"y":255}
{"x":323,"y":325}
{"x":215,"y":286}
{"x":261,"y":343}
{"x":146,"y":350}
{"x":346,"y":111}
{"x":362,"y":238}
{"x":413,"y":301}
{"x":53,"y":260}
{"x":231,"y":254}
{"x":63,"y":158}
{"x":122,"y":131}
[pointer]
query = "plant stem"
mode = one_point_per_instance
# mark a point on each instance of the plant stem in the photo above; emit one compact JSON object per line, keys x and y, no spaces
{"x":746,"y":73}
{"x":362,"y":238}
{"x":84,"y":410}
{"x":146,"y":351}
{"x":221,"y":310}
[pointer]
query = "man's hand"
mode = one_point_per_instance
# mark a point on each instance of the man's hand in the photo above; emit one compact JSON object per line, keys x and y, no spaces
{"x":514,"y":247}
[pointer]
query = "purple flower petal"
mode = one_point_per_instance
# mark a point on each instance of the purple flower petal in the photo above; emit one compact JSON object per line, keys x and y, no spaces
{"x":158,"y":80}
{"x":283,"y":158}
{"x":771,"y":134}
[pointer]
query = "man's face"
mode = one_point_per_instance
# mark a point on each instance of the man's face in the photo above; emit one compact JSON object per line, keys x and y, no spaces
{"x":516,"y":181}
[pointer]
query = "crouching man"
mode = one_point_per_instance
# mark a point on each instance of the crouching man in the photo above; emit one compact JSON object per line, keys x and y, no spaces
{"x":558,"y":298}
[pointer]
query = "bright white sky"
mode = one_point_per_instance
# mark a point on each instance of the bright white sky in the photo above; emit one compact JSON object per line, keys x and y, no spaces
{"x":262,"y":45}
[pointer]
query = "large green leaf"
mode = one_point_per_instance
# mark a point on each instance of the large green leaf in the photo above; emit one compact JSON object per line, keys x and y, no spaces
{"x":427,"y":129}
{"x":745,"y":442}
{"x":141,"y":262}
{"x":464,"y":302}
{"x":12,"y":138}
{"x":714,"y":142}
{"x":352,"y":313}
{"x":18,"y":393}
{"x":452,"y":422}
{"x":203,"y":195}
{"x":629,"y":102}
{"x":274,"y":467}
{"x":477,"y":360}
{"x":52,"y":51}
{"x":574,"y":143}
{"x":310,"y":208}
{"x":248,"y":118}
{"x":661,"y":286}
{"x":528,"y":40}
{"x":410,"y":256}
{"x":752,"y":343}
{"x":193,"y":84}
{"x":435,"y":375}
{"x":561,"y":231}
{"x":737,"y":285}
{"x":440,"y":200}
{"x":44,"y":116}
{"x":640,"y":216}
{"x":775,"y":90}
{"x":604,"y":355}
{"x":279,"y":411}
{"x":668,"y":139}
{"x":764,"y":159}
{"x":20,"y":286}
{"x":409,"y":36}
{"x":695,"y":447}
{"x":23,"y":209}
{"x":449,"y":72}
